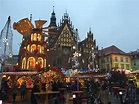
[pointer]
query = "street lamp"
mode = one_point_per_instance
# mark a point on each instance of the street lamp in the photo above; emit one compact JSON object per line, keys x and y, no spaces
{"x":121,"y":98}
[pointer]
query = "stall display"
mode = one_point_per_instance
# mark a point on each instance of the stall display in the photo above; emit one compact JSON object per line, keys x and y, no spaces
{"x":27,"y":79}
{"x":50,"y":76}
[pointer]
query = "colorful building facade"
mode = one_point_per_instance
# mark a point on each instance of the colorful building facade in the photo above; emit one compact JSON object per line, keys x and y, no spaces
{"x":134,"y":60}
{"x":113,"y":58}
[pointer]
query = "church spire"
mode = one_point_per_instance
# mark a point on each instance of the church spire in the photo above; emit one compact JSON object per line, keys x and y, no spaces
{"x":53,"y":18}
{"x":90,"y":30}
{"x":66,"y":16}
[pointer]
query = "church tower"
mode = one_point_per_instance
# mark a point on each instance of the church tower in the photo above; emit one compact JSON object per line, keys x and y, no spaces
{"x":60,"y":44}
{"x":89,"y":51}
{"x":53,"y":19}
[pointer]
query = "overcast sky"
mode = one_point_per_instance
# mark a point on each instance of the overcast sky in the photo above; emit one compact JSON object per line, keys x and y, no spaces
{"x":113,"y":22}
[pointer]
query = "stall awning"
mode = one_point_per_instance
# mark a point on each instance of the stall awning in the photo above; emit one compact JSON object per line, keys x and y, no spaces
{"x":135,"y":72}
{"x":20,"y":73}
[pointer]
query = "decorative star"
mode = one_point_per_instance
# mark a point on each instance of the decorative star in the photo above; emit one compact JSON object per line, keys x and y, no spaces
{"x":75,"y":54}
{"x":93,"y":55}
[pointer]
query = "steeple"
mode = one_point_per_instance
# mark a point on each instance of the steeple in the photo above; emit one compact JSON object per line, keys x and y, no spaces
{"x":90,"y":30}
{"x":66,"y":16}
{"x":53,"y":19}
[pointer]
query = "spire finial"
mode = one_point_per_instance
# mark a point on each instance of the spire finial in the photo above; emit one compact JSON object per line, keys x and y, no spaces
{"x":9,"y":18}
{"x":66,"y":15}
{"x":30,"y":17}
{"x":90,"y":29}
{"x":53,"y":8}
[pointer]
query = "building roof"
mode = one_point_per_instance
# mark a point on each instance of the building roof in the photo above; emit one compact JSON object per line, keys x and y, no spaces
{"x":134,"y":52}
{"x":111,"y":50}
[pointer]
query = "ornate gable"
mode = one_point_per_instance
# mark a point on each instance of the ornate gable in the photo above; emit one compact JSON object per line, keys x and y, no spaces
{"x":65,"y":37}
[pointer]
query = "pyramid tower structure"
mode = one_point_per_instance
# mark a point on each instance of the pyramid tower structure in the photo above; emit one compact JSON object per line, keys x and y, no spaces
{"x":33,"y":47}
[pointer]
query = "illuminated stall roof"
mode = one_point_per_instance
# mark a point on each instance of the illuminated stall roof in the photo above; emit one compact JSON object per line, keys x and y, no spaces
{"x":20,"y":73}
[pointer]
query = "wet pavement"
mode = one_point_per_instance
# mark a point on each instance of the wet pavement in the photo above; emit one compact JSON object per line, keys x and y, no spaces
{"x":113,"y":100}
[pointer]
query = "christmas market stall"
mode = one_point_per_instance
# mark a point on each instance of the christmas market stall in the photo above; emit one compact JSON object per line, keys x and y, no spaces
{"x":27,"y":77}
{"x":135,"y":76}
{"x":85,"y":76}
{"x":82,"y":75}
{"x":21,"y":77}
{"x":49,"y":76}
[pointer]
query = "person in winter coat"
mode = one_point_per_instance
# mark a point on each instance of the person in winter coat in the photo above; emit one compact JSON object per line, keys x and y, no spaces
{"x":34,"y":97}
{"x":104,"y":93}
{"x":23,"y":90}
{"x":14,"y":91}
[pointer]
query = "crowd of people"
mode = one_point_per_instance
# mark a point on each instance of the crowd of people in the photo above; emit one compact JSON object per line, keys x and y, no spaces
{"x":10,"y":87}
{"x":13,"y":89}
{"x":94,"y":89}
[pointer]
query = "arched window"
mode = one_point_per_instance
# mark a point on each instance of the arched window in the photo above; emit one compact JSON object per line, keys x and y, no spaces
{"x":24,"y":63}
{"x":35,"y":37}
{"x":40,"y":62}
{"x":31,"y":63}
{"x":39,"y":48}
{"x":28,"y":48}
{"x":33,"y":47}
{"x":42,"y":49}
{"x":44,"y":63}
{"x":39,"y":37}
{"x":32,"y":35}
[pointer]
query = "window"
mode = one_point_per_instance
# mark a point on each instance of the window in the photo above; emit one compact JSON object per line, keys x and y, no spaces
{"x":32,"y":37}
{"x":39,"y":48}
{"x":127,"y":66}
{"x":121,"y":59}
{"x":33,"y":48}
{"x":61,"y":39}
{"x":126,"y":59}
{"x":40,"y":62}
{"x":116,"y":59}
{"x":35,"y":37}
{"x":28,"y":47}
{"x":122,"y":66}
{"x":107,"y":59}
{"x":31,"y":63}
{"x":42,"y":49}
{"x":116,"y":65}
{"x":108,"y":66}
{"x":24,"y":63}
{"x":134,"y":63}
{"x":39,"y":37}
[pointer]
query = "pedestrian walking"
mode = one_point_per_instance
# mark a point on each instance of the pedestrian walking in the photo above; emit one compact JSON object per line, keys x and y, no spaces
{"x":6,"y":89}
{"x":14,"y":91}
{"x":34,"y":98}
{"x":104,"y":93}
{"x":23,"y":90}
